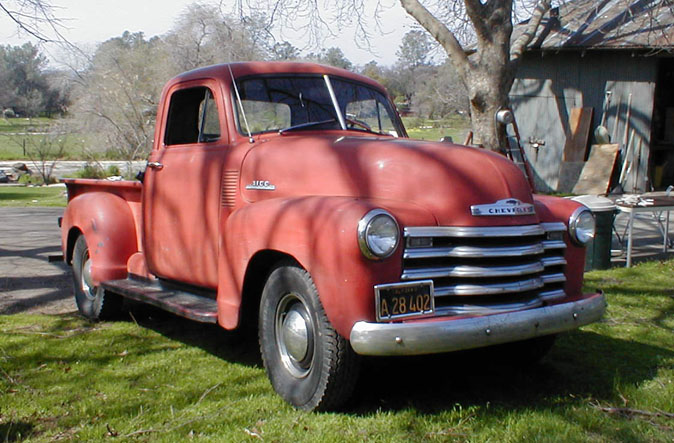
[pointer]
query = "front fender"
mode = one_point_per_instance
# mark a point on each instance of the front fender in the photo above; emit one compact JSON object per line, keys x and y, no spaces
{"x":556,"y":209}
{"x":321,"y":234}
{"x":109,"y":228}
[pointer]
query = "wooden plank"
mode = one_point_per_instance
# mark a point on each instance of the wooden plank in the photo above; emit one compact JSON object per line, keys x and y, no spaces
{"x":596,"y":175}
{"x":580,"y":122}
{"x":569,"y":173}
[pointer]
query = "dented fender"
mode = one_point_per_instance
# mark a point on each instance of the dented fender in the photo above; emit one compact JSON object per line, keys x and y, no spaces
{"x":108,"y":225}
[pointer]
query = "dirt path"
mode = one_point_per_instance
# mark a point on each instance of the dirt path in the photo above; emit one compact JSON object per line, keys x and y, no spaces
{"x":28,"y":282}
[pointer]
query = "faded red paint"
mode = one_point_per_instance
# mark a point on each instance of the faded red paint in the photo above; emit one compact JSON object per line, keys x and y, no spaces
{"x":193,"y":221}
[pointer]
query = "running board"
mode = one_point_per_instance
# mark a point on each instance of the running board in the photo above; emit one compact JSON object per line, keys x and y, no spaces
{"x":182,"y":303}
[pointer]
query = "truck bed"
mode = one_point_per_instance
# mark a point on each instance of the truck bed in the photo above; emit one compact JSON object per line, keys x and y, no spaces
{"x":129,"y":190}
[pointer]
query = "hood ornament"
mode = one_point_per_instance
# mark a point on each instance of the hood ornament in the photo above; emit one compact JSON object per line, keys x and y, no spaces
{"x":508,"y":206}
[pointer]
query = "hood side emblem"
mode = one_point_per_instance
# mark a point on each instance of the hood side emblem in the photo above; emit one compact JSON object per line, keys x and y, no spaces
{"x":508,"y":206}
{"x":261,"y":185}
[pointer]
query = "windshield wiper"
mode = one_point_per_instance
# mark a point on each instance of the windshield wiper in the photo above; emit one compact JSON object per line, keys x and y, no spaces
{"x":306,"y":125}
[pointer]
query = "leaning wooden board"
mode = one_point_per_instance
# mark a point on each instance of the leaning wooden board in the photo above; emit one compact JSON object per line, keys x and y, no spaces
{"x":596,"y":175}
{"x":580,"y":122}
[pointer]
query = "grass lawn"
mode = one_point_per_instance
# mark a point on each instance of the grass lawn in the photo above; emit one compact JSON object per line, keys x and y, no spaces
{"x":24,"y":196}
{"x":17,"y":133}
{"x":155,"y":377}
{"x":433,"y":130}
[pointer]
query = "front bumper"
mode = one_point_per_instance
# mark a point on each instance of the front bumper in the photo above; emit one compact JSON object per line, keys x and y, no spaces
{"x":430,"y":337}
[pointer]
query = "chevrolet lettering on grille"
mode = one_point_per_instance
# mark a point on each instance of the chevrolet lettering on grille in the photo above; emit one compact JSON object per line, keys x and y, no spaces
{"x":508,"y":206}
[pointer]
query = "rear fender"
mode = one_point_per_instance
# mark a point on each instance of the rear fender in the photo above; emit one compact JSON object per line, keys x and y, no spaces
{"x":320,"y":233}
{"x":108,"y":225}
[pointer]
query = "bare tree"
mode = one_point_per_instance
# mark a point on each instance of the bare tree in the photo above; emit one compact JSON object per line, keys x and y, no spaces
{"x":487,"y":75}
{"x":46,"y":150}
{"x":116,"y":98}
{"x":35,"y":18}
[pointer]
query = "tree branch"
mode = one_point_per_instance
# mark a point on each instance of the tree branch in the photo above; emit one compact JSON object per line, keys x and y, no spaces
{"x":441,"y":33}
{"x":476,"y":13}
{"x":519,"y":45}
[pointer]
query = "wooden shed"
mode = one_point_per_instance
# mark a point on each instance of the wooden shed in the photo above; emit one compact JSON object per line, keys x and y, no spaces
{"x":592,"y":63}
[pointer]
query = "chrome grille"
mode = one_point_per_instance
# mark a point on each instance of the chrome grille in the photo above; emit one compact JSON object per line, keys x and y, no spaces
{"x":478,"y":270}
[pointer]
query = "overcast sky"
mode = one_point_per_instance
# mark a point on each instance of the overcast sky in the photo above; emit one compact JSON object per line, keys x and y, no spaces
{"x":89,"y":22}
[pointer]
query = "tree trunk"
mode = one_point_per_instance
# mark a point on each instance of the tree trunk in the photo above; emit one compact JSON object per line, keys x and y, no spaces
{"x":488,"y":74}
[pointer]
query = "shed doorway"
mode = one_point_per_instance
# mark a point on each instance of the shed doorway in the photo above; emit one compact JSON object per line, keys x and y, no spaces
{"x":662,"y":131}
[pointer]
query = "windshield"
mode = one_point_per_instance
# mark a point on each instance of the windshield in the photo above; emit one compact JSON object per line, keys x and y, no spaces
{"x":302,"y":103}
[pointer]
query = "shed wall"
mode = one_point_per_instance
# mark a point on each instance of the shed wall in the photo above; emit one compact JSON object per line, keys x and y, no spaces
{"x":549,"y":85}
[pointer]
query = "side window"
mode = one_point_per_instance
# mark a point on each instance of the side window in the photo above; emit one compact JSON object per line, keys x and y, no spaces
{"x":192,"y":117}
{"x":371,"y":113}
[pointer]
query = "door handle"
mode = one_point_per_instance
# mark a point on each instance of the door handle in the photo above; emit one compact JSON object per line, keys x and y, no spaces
{"x":155,"y":165}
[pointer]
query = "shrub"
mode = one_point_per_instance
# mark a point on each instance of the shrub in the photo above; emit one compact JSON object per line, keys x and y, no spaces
{"x":34,"y":179}
{"x":90,"y":170}
{"x":112,"y":170}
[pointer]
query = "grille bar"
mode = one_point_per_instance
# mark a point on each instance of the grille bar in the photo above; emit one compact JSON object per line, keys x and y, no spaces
{"x":553,"y":244}
{"x":476,"y":232}
{"x":473,"y":271}
{"x":474,"y":251}
{"x":481,"y":270}
{"x":553,"y":261}
{"x":486,"y":309}
{"x":502,"y":288}
{"x":553,"y":278}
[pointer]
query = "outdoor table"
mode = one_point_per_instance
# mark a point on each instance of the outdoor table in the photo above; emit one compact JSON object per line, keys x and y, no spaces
{"x":656,"y":205}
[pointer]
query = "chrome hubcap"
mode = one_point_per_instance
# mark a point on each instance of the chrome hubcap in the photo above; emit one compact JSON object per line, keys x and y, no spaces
{"x":294,"y":335}
{"x":86,"y":282}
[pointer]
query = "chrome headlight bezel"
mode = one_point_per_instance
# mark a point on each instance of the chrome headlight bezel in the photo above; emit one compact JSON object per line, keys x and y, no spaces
{"x":377,"y":219}
{"x":579,"y":229}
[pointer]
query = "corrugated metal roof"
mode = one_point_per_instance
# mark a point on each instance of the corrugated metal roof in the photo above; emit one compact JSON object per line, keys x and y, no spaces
{"x":606,"y":24}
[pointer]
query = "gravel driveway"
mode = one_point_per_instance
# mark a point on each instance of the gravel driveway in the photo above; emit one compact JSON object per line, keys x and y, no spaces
{"x":28,"y":282}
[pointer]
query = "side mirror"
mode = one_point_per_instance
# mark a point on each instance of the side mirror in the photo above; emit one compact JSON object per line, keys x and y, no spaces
{"x":505,"y":116}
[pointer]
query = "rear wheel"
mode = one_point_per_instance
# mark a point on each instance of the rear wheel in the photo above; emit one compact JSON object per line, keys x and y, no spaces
{"x":308,"y":363}
{"x":92,"y":301}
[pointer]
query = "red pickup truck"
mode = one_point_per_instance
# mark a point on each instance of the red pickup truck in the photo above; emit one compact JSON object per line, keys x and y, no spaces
{"x":290,"y":191}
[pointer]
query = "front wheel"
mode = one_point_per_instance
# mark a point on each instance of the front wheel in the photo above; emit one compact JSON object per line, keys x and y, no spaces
{"x":308,"y":363}
{"x":92,"y":301}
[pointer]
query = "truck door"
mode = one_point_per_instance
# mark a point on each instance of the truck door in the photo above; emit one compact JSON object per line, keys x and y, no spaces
{"x":182,"y":187}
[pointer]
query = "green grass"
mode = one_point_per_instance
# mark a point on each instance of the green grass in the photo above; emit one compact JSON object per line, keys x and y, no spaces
{"x":24,"y":196}
{"x":423,"y":129}
{"x":15,"y":133}
{"x":154,"y":377}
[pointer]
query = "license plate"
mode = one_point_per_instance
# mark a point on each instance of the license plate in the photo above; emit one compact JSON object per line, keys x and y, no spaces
{"x":403,"y":300}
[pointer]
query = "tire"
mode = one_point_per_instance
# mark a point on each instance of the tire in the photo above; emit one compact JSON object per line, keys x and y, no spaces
{"x":92,"y":301}
{"x":308,"y":363}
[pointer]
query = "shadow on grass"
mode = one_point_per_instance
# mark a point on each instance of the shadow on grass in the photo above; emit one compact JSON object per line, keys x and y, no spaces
{"x":15,"y":431}
{"x":582,"y":365}
{"x":239,"y":346}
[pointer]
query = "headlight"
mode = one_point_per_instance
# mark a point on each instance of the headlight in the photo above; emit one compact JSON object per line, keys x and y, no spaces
{"x":581,"y":226}
{"x":378,"y":234}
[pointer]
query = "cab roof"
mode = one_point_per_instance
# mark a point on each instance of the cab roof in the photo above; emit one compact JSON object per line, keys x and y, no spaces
{"x":244,"y":69}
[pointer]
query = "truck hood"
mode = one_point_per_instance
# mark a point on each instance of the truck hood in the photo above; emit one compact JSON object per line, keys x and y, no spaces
{"x":445,"y":179}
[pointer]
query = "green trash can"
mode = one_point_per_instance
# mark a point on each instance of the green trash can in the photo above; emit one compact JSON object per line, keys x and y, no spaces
{"x":598,"y":250}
